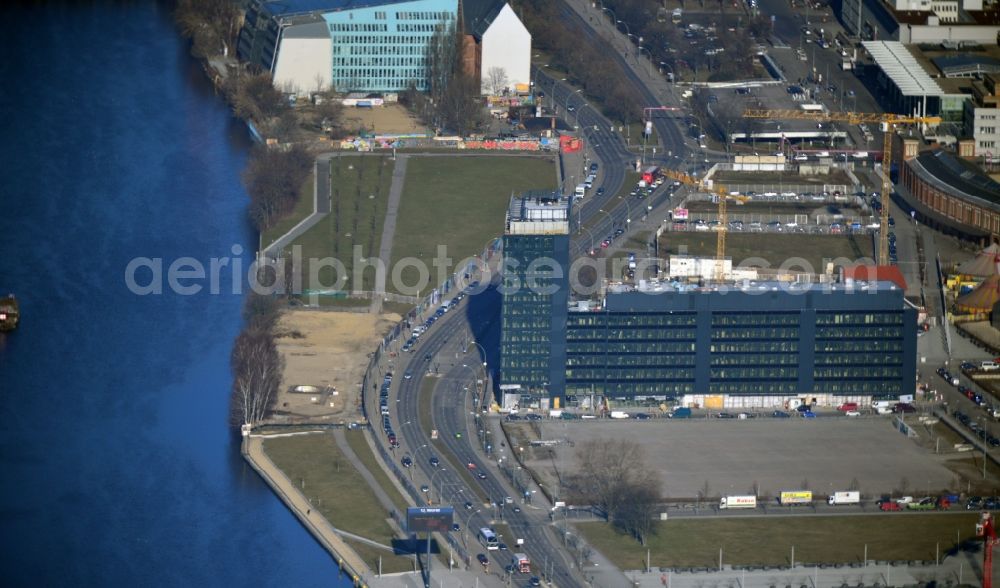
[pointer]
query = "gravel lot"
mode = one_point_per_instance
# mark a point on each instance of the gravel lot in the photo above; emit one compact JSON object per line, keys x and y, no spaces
{"x":824,"y":454}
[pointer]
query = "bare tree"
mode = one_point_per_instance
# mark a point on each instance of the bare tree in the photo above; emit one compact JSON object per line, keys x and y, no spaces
{"x":612,"y":473}
{"x":256,"y":364}
{"x":273,"y":179}
{"x":496,"y":80}
{"x":210,"y":24}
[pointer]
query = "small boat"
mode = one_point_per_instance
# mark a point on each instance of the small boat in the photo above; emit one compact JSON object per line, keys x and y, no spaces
{"x":9,"y":313}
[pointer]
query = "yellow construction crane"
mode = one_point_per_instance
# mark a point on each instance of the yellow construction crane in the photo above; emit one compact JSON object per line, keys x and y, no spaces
{"x":722,"y":194}
{"x":888,"y":121}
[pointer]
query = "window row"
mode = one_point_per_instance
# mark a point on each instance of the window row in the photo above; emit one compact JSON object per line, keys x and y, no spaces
{"x":754,"y":333}
{"x":625,"y":375}
{"x":617,"y":348}
{"x":876,"y":388}
{"x":358,"y":27}
{"x":872,"y":371}
{"x":433,"y":15}
{"x":364,"y":44}
{"x":756,"y":359}
{"x":573,"y":334}
{"x":737,"y":373}
{"x":354,"y":73}
{"x":785,"y":346}
{"x":655,"y":361}
{"x":745,"y":388}
{"x":848,"y":346}
{"x":859,"y":318}
{"x":755,"y":318}
{"x":859,"y":358}
{"x":847,"y":332}
{"x":379,"y":61}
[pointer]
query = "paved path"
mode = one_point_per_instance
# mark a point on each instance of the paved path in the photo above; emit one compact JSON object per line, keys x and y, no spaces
{"x":253,"y":451}
{"x":389,"y":231}
{"x":321,"y":207}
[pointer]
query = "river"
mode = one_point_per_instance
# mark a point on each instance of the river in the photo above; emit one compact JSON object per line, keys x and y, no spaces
{"x":119,"y":468}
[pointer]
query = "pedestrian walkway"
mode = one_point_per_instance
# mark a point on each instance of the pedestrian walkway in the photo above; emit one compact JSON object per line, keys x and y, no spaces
{"x":389,"y":231}
{"x":321,"y":208}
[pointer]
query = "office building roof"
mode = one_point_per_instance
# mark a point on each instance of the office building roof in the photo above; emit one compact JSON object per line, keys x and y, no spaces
{"x":903,"y":68}
{"x":538,"y":212}
{"x":297,"y":7}
{"x":966,"y":64}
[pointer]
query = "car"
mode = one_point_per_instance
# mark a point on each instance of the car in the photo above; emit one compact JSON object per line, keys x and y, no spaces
{"x":534,"y":581}
{"x":600,"y":191}
{"x":852,"y":413}
{"x":803,"y":408}
{"x":508,"y":500}
{"x":517,"y":509}
{"x":481,"y":557}
{"x":408,"y":375}
{"x":407,"y":462}
{"x":428,"y":357}
{"x":888,"y":505}
{"x":435,"y":462}
{"x":468,"y":506}
{"x":425,"y":488}
{"x":619,"y":232}
{"x":571,"y":108}
{"x":904,"y":500}
{"x":642,"y":416}
{"x":481,"y":475}
{"x":808,"y":414}
{"x":974,"y":503}
{"x":726,"y":415}
{"x":455,"y":528}
{"x":502,"y":546}
{"x":780,"y":414}
{"x":470,"y":465}
{"x":509,"y":569}
{"x":593,"y":167}
{"x":605,"y":243}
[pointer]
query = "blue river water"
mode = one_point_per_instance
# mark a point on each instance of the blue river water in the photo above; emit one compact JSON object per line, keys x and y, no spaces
{"x":118,"y":466}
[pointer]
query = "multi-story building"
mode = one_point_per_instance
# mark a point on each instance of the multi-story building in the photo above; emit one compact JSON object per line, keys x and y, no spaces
{"x":755,"y":344}
{"x":535,"y":295}
{"x":378,"y":45}
{"x":921,"y":21}
{"x":982,"y":117}
{"x":733,"y":344}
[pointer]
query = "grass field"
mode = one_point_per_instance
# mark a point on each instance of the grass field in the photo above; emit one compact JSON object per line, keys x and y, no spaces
{"x":774,"y":248}
{"x":768,"y":540}
{"x":315,"y":463}
{"x":303,"y":208}
{"x":458,"y":202}
{"x":356,"y":439}
{"x":359,"y":186}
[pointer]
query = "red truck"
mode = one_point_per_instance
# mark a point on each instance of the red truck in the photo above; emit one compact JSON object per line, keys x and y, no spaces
{"x":848,"y":406}
{"x":888,"y":505}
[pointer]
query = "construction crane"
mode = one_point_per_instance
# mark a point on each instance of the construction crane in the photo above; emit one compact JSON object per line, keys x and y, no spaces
{"x":888,"y":122}
{"x":986,"y":530}
{"x":721,"y":193}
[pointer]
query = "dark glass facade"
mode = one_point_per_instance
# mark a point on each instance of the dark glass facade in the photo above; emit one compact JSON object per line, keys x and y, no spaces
{"x":764,"y":341}
{"x":534,"y":308}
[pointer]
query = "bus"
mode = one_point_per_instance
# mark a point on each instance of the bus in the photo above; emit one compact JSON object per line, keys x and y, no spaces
{"x":489,"y":539}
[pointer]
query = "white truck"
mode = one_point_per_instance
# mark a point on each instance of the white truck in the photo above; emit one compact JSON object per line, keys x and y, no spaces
{"x":521,"y":563}
{"x":846,"y":497}
{"x":883,"y":406}
{"x":737,"y":502}
{"x":617,"y":414}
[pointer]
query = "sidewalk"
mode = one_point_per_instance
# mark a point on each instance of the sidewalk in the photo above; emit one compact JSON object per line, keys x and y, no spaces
{"x":389,"y":231}
{"x":321,"y":208}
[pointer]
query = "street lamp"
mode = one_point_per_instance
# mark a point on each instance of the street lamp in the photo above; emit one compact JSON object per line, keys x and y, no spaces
{"x":649,"y":64}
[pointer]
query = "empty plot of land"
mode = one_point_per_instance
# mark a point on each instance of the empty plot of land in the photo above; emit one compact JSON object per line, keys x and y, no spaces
{"x":764,"y":208}
{"x":327,"y":350}
{"x":771,"y":249}
{"x":390,"y":119}
{"x":824,"y":455}
{"x":459,"y":202}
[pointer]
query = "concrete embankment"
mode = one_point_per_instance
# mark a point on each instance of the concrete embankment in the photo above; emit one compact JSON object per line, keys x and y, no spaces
{"x":349,"y":561}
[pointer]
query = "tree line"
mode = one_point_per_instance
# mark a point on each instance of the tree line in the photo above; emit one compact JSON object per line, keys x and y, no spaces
{"x":589,"y":65}
{"x":255,"y":362}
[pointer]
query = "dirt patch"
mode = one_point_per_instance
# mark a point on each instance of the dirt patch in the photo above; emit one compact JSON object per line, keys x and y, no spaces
{"x":392,"y":118}
{"x":328,"y":351}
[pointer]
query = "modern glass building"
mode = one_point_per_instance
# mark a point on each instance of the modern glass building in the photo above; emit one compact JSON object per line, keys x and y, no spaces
{"x":742,"y":344}
{"x":374,"y":45}
{"x":535,"y":295}
{"x":758,"y":340}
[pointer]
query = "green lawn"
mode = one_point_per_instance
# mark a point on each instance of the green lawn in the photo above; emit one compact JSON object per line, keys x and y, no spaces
{"x":356,"y":439}
{"x":303,"y":208}
{"x":768,"y":540}
{"x":359,"y":186}
{"x":460,"y":203}
{"x":316,"y":464}
{"x":774,"y":248}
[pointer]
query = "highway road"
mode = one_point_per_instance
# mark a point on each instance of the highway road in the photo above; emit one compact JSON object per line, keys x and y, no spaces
{"x":451,"y":482}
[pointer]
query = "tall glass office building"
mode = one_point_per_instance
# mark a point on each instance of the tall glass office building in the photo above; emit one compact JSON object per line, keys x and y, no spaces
{"x":535,"y":295}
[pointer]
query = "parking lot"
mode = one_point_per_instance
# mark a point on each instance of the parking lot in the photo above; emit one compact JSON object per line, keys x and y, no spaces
{"x":730,"y":456}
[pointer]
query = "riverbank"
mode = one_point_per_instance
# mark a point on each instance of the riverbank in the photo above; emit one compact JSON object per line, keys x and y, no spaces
{"x":347,"y":559}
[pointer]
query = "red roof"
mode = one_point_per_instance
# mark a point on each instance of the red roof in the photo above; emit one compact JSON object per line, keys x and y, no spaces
{"x":875,"y":273}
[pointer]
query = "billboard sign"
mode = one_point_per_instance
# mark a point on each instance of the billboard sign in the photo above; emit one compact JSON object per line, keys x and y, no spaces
{"x":680,"y":214}
{"x":427,"y":519}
